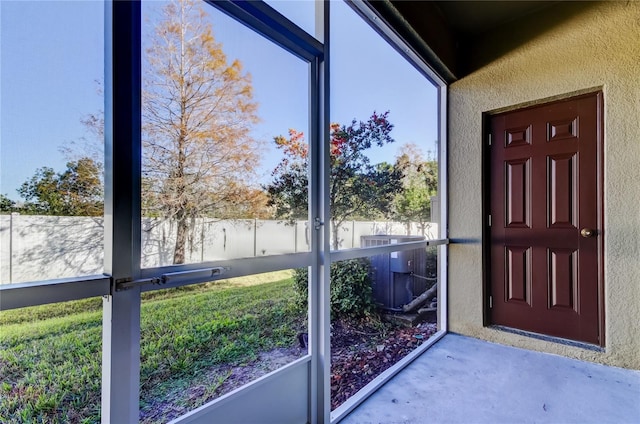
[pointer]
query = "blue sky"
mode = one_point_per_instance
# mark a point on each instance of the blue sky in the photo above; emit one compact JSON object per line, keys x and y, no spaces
{"x":49,"y":68}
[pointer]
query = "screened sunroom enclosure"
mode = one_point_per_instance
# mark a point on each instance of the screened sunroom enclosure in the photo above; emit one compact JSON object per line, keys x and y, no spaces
{"x":186,"y":206}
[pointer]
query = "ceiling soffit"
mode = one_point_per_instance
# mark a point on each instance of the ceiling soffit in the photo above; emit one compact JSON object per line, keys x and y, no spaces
{"x":452,"y":35}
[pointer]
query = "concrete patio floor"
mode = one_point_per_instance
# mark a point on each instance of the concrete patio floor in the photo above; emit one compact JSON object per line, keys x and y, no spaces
{"x":465,"y":380}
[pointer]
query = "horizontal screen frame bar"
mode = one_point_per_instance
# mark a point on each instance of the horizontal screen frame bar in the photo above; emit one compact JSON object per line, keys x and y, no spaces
{"x":21,"y":295}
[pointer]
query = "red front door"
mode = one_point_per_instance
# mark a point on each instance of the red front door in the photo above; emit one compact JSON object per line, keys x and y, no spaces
{"x":545,"y":219}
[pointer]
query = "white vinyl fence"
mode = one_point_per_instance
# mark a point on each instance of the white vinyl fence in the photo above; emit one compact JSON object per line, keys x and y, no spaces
{"x":47,"y":247}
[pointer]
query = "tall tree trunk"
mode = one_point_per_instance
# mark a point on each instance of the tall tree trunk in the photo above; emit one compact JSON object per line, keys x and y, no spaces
{"x":181,"y":239}
{"x":181,"y":189}
{"x":335,"y":229}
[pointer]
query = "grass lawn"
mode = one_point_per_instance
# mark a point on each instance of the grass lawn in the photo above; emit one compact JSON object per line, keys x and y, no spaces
{"x":50,"y":369}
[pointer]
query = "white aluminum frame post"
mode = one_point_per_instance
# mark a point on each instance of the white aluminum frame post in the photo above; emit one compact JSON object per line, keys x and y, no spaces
{"x":121,"y":309}
{"x":319,"y":272}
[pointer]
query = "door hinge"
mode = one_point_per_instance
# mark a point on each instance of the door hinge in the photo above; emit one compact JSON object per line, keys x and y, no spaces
{"x":489,"y":139}
{"x":490,"y":302}
{"x":489,"y":220}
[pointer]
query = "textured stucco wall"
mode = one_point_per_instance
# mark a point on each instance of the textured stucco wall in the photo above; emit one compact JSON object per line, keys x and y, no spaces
{"x":595,"y":47}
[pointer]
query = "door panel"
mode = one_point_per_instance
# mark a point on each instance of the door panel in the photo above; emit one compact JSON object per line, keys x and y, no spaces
{"x":517,"y":193}
{"x":563,"y":272}
{"x":563,"y":174}
{"x":518,"y":274}
{"x":545,"y":182}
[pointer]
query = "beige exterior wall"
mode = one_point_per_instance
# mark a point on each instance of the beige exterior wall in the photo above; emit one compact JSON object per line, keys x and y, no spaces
{"x":595,"y":47}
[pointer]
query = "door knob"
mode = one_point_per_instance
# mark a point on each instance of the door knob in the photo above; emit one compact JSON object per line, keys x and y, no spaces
{"x":587,"y":232}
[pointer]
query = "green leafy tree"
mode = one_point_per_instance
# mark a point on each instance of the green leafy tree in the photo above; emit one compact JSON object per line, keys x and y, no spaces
{"x":6,"y":205}
{"x":41,"y":193}
{"x":198,"y":110}
{"x":420,"y":183}
{"x":358,"y":189}
{"x":77,"y":191}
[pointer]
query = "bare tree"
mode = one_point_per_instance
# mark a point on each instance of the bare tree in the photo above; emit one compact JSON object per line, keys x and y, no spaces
{"x":198,"y":110}
{"x":91,"y":145}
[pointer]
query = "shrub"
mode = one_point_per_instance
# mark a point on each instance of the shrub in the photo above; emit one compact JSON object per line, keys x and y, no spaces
{"x":351,"y":293}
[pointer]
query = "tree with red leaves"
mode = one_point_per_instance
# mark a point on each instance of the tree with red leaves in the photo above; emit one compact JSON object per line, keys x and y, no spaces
{"x":358,"y":189}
